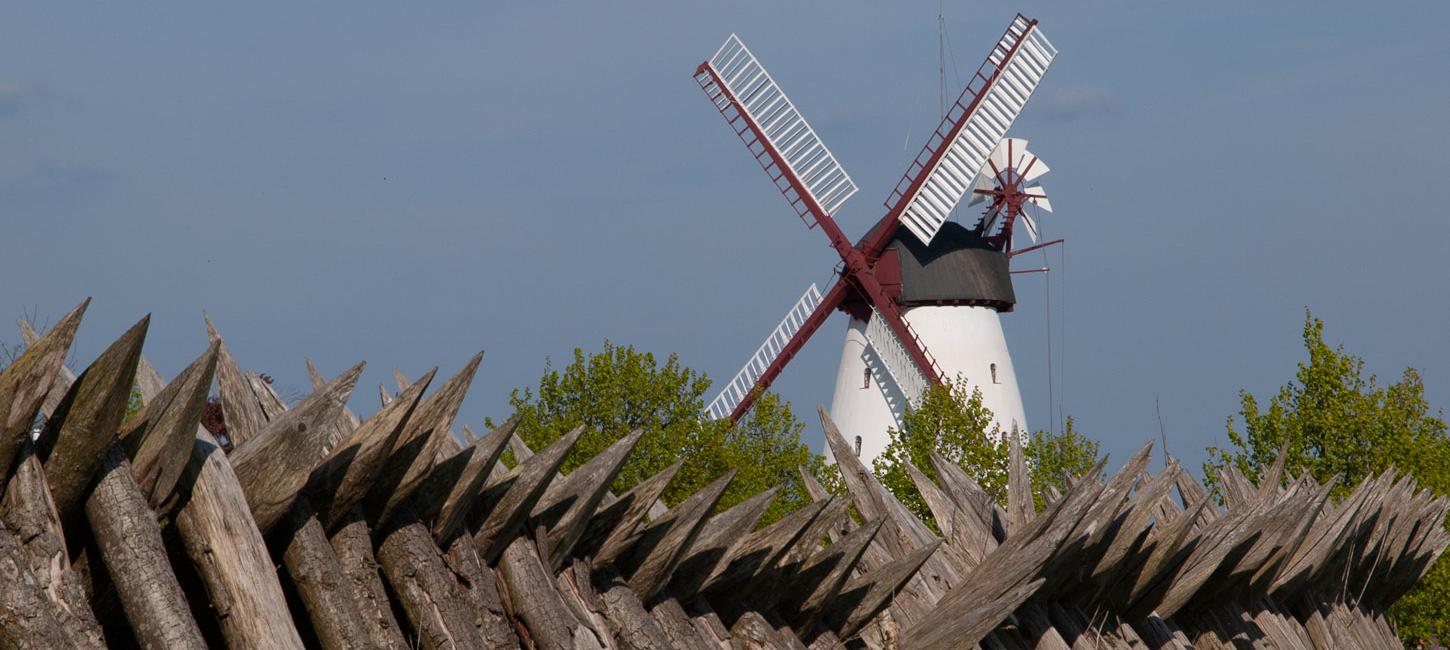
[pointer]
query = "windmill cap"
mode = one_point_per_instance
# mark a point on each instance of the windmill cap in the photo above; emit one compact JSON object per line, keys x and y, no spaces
{"x":958,"y":267}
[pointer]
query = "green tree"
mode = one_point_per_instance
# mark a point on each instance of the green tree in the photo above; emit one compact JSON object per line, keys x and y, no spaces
{"x":1334,"y":421}
{"x":953,"y":422}
{"x":618,"y":389}
{"x":1052,"y":457}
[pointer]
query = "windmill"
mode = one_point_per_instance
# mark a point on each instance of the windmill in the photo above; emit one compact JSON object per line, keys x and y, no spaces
{"x":915,"y":278}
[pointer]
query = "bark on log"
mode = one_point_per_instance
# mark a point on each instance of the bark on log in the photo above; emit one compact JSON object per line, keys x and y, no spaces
{"x":28,"y":511}
{"x":480,"y":586}
{"x":676,"y":624}
{"x":26,"y":618}
{"x":435,"y":604}
{"x":130,"y":544}
{"x":353,"y":545}
{"x":531,"y":589}
{"x":320,"y":583}
{"x":634,"y":628}
{"x":230,"y":554}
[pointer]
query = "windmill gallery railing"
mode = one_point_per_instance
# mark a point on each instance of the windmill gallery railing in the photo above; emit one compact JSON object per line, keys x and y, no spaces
{"x":322,"y":528}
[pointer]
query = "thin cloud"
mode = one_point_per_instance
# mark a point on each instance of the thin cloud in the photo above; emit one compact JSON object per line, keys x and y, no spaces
{"x":1076,"y":104}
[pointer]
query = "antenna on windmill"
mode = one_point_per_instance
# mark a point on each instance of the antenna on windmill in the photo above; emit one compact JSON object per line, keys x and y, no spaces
{"x":815,"y":185}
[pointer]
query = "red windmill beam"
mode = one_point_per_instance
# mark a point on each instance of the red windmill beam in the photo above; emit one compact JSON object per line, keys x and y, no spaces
{"x":829,"y":303}
{"x":857,"y":268}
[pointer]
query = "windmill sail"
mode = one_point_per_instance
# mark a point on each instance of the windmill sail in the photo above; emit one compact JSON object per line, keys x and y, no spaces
{"x":952,"y":157}
{"x":740,"y":386}
{"x":781,"y":140}
{"x":894,"y":355}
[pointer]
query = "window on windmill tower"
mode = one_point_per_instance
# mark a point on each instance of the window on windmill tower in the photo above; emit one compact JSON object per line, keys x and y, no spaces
{"x":858,"y":445}
{"x":865,"y":377}
{"x":994,"y":374}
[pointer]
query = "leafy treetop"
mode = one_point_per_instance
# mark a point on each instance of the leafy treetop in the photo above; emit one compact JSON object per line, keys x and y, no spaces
{"x":1334,"y":421}
{"x":618,"y":389}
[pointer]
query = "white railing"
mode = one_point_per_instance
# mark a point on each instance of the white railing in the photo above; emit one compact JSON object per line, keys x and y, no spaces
{"x":893,"y":355}
{"x":739,"y":387}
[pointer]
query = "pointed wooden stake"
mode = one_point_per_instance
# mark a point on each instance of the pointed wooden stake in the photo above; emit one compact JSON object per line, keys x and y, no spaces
{"x":508,"y":500}
{"x":569,"y":503}
{"x":351,"y":470}
{"x":160,"y":438}
{"x":664,"y":541}
{"x":83,"y":426}
{"x":416,"y":449}
{"x":848,"y":614}
{"x":613,"y":529}
{"x":763,"y":549}
{"x":1019,"y":487}
{"x":456,"y":505}
{"x":313,"y":376}
{"x":24,"y":384}
{"x":274,"y":465}
{"x":721,"y":535}
{"x":243,"y":413}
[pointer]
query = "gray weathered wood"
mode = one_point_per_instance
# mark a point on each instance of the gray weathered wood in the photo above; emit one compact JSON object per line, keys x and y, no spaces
{"x":416,"y":448}
{"x":129,"y":542}
{"x":82,"y":427}
{"x":508,"y":500}
{"x":721,"y":535}
{"x":244,"y":414}
{"x":613,"y":529}
{"x":353,"y":546}
{"x":274,"y":464}
{"x":159,"y":439}
{"x":568,"y":504}
{"x":664,"y":542}
{"x":229,"y":553}
{"x":456,"y":504}
{"x":25,"y":382}
{"x":318,"y":578}
{"x":351,"y":470}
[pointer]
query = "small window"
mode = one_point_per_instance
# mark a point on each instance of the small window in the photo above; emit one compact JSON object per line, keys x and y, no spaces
{"x":994,"y":374}
{"x":866,"y":378}
{"x":858,"y":445}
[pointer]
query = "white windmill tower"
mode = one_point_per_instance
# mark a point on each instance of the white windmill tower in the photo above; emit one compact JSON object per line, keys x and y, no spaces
{"x":915,"y":282}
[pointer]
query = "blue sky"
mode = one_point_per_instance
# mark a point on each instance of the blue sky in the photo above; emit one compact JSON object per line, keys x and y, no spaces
{"x":408,"y":184}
